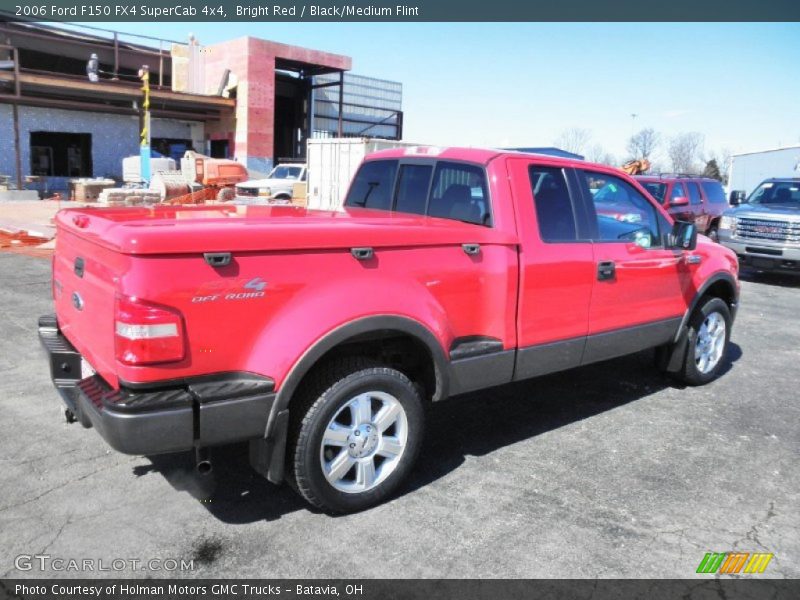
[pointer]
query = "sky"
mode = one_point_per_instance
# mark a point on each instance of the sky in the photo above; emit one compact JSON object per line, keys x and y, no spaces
{"x":523,"y":84}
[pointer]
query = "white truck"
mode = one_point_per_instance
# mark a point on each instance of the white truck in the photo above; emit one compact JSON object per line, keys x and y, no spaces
{"x":748,"y":169}
{"x":275,"y":189}
{"x":332,"y":162}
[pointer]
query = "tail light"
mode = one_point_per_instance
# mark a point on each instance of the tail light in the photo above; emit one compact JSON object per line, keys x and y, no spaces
{"x":147,"y":333}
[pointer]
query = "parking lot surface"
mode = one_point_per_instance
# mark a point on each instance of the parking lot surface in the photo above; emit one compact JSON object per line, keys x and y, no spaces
{"x":604,"y":471}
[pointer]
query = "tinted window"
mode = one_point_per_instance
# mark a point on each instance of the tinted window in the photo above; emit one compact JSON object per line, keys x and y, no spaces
{"x":551,"y":199}
{"x":459,"y":192}
{"x":655,"y":189}
{"x":714,"y":192}
{"x":623,"y":214}
{"x":694,"y":193}
{"x":677,"y":192}
{"x":372,"y":185}
{"x":412,"y":188}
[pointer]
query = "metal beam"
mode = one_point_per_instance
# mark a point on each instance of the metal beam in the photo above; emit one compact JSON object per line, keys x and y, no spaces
{"x":341,"y":101}
{"x":116,"y":88}
{"x":106,"y":108}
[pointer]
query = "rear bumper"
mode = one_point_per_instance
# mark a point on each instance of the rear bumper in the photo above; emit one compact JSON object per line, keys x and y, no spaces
{"x":172,"y":416}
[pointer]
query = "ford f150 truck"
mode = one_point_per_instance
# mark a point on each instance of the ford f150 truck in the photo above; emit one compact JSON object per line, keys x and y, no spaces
{"x":321,"y":336}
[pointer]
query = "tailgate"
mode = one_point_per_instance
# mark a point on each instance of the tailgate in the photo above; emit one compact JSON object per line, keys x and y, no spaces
{"x":85,"y":277}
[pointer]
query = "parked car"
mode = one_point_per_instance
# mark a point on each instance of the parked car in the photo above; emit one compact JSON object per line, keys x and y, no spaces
{"x":276,"y":188}
{"x":764,"y":232}
{"x":699,"y":200}
{"x":320,"y":336}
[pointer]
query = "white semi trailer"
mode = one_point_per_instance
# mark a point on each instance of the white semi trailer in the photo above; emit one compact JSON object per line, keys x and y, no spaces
{"x":751,"y":168}
{"x":332,"y":162}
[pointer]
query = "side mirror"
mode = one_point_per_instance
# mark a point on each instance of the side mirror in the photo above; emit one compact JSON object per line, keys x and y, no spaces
{"x":679,"y":201}
{"x":736,"y":197}
{"x":684,"y":235}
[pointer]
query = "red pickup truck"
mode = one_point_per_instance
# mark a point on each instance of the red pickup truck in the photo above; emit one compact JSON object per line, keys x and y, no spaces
{"x":321,"y":336}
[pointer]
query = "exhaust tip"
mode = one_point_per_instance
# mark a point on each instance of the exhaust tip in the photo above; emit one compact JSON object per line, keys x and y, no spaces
{"x":204,"y":467}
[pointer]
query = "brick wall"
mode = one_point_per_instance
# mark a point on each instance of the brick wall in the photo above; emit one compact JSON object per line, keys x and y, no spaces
{"x":113,"y":137}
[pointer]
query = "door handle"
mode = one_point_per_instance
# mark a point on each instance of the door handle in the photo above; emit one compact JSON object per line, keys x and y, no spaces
{"x":362,"y":253}
{"x":606,"y":270}
{"x":471,"y":249}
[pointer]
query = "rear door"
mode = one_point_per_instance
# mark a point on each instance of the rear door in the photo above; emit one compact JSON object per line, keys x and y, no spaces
{"x":640,"y":285}
{"x":556,"y":267}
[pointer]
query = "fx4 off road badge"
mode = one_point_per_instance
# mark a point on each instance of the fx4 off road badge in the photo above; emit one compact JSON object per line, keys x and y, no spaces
{"x":230,"y":289}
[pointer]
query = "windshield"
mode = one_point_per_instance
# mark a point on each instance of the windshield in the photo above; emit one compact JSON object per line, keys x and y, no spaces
{"x":656,"y":189}
{"x":776,"y":192}
{"x":285,"y":172}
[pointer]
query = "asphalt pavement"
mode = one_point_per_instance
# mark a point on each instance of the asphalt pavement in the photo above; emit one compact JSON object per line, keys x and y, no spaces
{"x":604,"y":471}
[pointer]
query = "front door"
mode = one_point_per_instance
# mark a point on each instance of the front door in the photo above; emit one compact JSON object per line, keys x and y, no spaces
{"x":640,"y":285}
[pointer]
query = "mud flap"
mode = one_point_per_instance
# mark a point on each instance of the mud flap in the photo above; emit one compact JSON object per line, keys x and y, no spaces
{"x":267,"y":456}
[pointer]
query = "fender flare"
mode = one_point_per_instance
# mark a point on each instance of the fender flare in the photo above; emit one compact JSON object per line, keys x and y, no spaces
{"x":351,"y":329}
{"x":713,"y":279}
{"x":676,"y":354}
{"x":267,"y":454}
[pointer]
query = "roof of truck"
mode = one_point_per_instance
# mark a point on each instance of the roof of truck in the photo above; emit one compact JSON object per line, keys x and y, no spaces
{"x":475,"y":155}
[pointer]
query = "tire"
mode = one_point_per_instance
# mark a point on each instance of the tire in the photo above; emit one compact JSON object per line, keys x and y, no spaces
{"x":355,"y":432}
{"x":713,"y":233}
{"x":706,"y":344}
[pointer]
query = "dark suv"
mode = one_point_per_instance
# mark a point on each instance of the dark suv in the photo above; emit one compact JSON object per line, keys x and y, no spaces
{"x":698,"y":200}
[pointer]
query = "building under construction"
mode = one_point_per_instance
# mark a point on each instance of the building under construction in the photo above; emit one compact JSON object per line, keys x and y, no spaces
{"x":250,"y":99}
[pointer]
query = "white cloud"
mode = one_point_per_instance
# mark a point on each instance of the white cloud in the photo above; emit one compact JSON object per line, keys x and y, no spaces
{"x":675,"y":113}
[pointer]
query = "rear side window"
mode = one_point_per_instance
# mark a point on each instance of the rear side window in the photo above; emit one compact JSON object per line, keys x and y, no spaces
{"x":554,"y":211}
{"x":694,"y":193}
{"x":372,"y":185}
{"x":714,"y":192}
{"x":412,"y":188}
{"x":459,"y":192}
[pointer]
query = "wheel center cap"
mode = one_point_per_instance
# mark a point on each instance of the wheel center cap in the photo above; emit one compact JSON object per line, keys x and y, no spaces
{"x":362,"y":441}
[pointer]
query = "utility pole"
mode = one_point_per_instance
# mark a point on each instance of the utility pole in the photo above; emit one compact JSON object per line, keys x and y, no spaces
{"x":144,"y":124}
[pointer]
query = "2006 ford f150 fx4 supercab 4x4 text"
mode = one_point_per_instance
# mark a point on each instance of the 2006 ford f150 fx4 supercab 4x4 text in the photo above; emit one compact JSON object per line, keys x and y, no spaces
{"x":320,"y":336}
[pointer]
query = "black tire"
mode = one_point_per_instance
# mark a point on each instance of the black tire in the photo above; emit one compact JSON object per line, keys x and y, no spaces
{"x":327,"y":390}
{"x":713,"y":233}
{"x":689,"y":373}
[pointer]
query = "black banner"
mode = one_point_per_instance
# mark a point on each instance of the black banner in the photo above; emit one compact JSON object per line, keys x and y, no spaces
{"x":370,"y":589}
{"x":402,"y":10}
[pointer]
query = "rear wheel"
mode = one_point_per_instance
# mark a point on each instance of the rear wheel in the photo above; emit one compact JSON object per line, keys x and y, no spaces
{"x":356,"y":434}
{"x":707,"y":342}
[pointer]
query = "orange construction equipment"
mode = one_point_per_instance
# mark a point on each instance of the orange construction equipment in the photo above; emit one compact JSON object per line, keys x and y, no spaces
{"x":218,"y":176}
{"x":636,"y":167}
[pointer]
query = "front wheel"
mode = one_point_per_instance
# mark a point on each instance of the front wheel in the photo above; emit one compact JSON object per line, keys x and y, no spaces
{"x":707,"y":342}
{"x":713,"y":233}
{"x":356,"y":434}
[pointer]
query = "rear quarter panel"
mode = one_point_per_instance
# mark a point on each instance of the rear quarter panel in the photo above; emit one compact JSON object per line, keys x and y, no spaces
{"x":309,"y":294}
